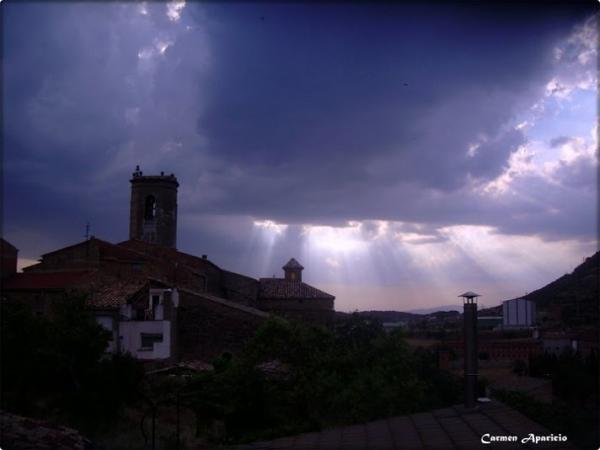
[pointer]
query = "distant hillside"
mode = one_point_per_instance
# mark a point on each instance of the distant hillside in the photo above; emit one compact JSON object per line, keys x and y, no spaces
{"x":436,"y":309}
{"x":382,"y":316}
{"x":400,"y":316}
{"x":578,"y":293}
{"x":493,"y":311}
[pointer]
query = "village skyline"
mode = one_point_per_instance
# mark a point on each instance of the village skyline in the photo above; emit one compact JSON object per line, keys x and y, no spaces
{"x":452,"y":149}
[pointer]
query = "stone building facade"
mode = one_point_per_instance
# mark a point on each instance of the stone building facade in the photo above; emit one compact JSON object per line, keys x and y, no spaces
{"x":292,"y":298}
{"x":160,"y":303}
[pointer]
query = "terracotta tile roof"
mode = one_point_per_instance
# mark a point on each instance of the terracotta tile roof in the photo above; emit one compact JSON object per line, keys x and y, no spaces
{"x":448,"y":428}
{"x":224,"y":302}
{"x":160,"y":251}
{"x":293,"y":264}
{"x":44,"y":280}
{"x":105,"y":291}
{"x":93,"y":240}
{"x":114,"y":295}
{"x":108,"y":250}
{"x":274,"y":288}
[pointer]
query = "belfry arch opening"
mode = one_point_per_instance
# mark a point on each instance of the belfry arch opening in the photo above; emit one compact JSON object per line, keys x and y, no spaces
{"x":153,"y":208}
{"x":150,"y":208}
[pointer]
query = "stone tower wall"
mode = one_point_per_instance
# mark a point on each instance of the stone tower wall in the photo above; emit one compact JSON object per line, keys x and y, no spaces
{"x":162,"y":229}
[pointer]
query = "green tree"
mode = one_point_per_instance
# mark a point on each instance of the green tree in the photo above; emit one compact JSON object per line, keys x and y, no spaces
{"x":353,"y":373}
{"x":57,"y":363}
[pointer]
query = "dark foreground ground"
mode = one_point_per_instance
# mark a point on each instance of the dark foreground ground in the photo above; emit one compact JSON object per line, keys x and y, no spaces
{"x":448,"y":428}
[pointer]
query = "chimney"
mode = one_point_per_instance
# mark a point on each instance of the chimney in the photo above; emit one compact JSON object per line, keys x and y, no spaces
{"x":470,"y":351}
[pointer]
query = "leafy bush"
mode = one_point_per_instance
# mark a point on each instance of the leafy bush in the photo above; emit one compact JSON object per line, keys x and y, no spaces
{"x":519,"y":367}
{"x":574,"y":377}
{"x":353,"y":373}
{"x":56,"y":364}
{"x":574,"y":411}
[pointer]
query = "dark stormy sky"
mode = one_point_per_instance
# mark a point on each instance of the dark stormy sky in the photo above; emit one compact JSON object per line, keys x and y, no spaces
{"x":403,"y":153}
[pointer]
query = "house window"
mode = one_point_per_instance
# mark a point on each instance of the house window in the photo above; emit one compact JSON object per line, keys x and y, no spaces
{"x":140,"y":314}
{"x":155,"y":301}
{"x":148,"y":340}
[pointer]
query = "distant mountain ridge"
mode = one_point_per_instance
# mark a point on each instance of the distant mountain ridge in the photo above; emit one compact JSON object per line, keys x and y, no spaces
{"x":582,"y":282}
{"x":434,"y":309}
{"x":577,"y":294}
{"x":389,"y":316}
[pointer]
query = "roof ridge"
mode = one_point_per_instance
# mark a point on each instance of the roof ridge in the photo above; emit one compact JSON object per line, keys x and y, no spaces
{"x":290,"y":289}
{"x":293,"y":264}
{"x":224,"y":302}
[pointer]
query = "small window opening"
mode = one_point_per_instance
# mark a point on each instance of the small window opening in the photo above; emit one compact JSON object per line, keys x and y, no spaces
{"x":150,"y":208}
{"x":148,"y":339}
{"x":155,"y":301}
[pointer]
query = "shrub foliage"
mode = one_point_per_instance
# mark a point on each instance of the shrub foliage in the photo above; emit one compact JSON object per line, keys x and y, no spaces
{"x":353,"y":373}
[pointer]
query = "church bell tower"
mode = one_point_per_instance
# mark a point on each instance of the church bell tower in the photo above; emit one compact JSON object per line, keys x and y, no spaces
{"x":153,"y":213}
{"x":293,"y":270}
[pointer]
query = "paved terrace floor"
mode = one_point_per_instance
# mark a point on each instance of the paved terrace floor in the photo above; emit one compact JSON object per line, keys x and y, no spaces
{"x":443,"y":429}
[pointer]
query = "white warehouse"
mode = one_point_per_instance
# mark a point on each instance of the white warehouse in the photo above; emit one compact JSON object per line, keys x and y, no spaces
{"x":518,"y":312}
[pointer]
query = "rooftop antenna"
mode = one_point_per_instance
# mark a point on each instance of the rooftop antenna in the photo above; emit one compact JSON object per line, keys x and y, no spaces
{"x":87,"y":230}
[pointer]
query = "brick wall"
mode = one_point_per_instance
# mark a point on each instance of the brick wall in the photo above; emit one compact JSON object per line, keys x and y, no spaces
{"x":239,"y":288}
{"x":207,"y":328}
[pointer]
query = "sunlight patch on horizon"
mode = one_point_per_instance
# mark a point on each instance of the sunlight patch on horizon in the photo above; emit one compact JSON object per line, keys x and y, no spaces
{"x":380,"y":253}
{"x":268,"y":233}
{"x":25,"y":262}
{"x":269,"y":225}
{"x":335,"y":240}
{"x":510,"y":257}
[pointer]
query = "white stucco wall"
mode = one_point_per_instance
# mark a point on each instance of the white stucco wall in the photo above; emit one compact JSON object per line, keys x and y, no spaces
{"x":107,"y":323}
{"x":159,"y":312}
{"x":175,"y":297}
{"x":126,"y":311}
{"x":130,"y":333}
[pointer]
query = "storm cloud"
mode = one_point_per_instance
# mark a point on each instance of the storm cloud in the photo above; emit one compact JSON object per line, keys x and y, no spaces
{"x":423,"y":117}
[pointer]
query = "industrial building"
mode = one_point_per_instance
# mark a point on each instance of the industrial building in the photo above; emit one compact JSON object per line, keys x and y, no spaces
{"x":518,"y":313}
